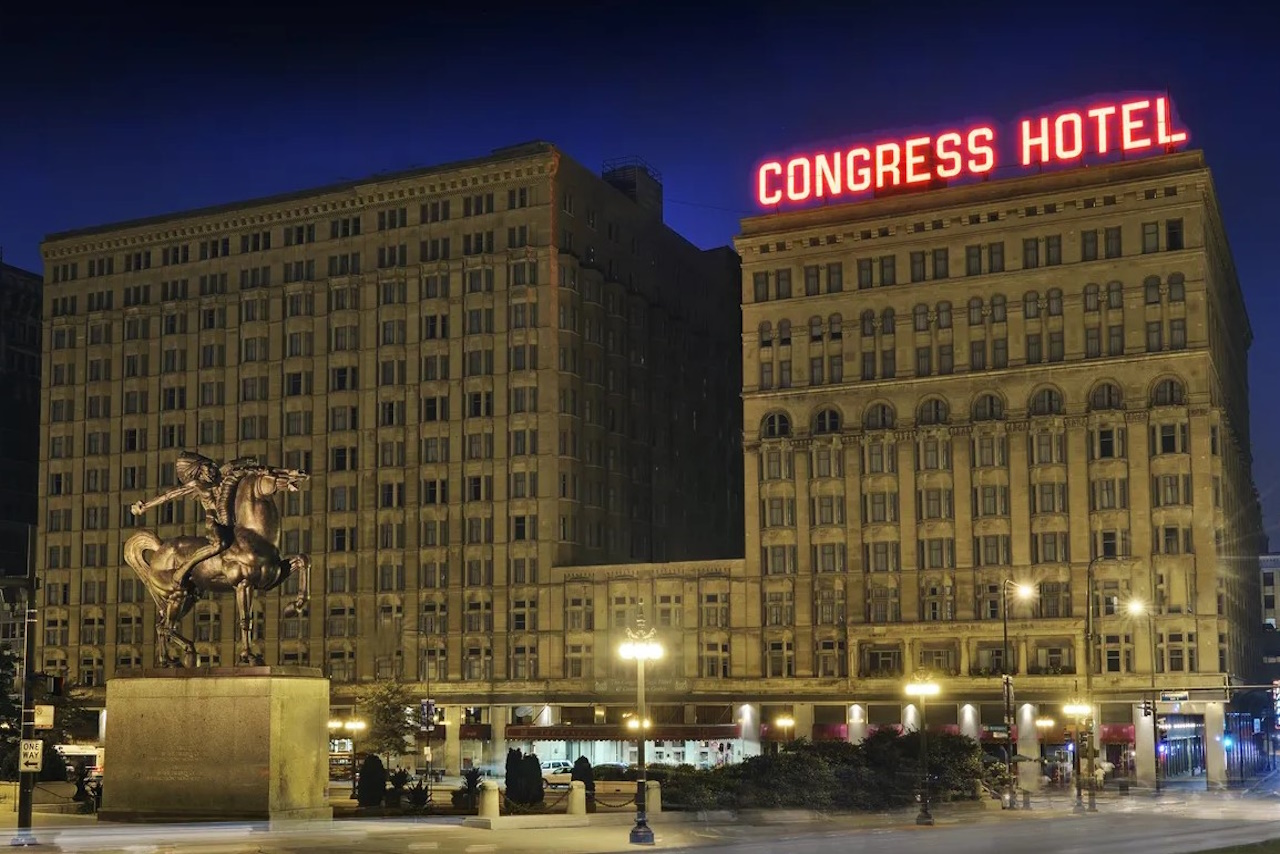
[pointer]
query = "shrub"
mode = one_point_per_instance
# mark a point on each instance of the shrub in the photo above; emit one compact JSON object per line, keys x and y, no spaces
{"x":419,"y":795}
{"x":467,"y":796}
{"x":372,"y":785}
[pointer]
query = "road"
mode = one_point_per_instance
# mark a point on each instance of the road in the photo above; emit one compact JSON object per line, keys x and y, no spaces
{"x":1133,"y":826}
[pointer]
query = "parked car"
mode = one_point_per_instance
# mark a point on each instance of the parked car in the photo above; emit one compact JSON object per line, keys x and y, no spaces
{"x":556,"y":772}
{"x":612,"y":771}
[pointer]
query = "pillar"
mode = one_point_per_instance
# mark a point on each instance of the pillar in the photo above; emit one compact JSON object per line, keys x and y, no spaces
{"x":749,"y":724}
{"x":490,"y":805}
{"x":802,"y":714}
{"x":1215,"y":752}
{"x":857,"y":723}
{"x":452,"y":759}
{"x":1029,"y":774}
{"x":652,"y":797}
{"x":495,"y":750}
{"x":1144,"y":751}
{"x":971,"y":722}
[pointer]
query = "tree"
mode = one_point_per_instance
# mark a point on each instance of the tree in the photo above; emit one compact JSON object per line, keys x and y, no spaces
{"x":371,"y":788}
{"x":10,"y":714}
{"x":385,"y":706}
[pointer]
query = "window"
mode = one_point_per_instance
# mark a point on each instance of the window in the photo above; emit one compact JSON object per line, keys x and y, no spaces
{"x":920,"y":318}
{"x":1046,"y":402}
{"x":988,"y":407}
{"x":1105,"y":396}
{"x":1173,"y":235}
{"x":1113,"y":247}
{"x":1031,"y":304}
{"x":1150,"y":237}
{"x":879,"y":417}
{"x":775,"y":425}
{"x":1091,"y":298}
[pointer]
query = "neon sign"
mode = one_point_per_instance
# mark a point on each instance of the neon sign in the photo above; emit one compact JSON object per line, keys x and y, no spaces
{"x":1062,"y":137}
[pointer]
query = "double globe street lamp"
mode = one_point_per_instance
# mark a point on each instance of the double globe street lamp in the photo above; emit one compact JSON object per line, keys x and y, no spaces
{"x":923,"y":689}
{"x":641,"y":646}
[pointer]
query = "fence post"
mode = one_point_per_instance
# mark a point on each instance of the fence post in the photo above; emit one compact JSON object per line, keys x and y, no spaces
{"x":489,"y":804}
{"x":653,"y":797}
{"x":577,"y":798}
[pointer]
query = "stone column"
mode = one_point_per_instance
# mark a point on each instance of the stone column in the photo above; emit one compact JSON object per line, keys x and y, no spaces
{"x":970,"y":721}
{"x":1144,"y":753}
{"x":802,"y":713}
{"x":1215,"y":752}
{"x":857,"y":723}
{"x":749,"y":723}
{"x":1029,"y":776}
{"x":495,"y":750}
{"x":577,"y":798}
{"x":451,"y":761}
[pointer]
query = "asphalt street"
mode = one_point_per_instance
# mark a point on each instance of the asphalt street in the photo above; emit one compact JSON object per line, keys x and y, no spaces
{"x":1170,"y":824}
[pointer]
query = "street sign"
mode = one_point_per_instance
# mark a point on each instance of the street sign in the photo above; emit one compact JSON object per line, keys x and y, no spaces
{"x":31,"y":755}
{"x":43,"y":717}
{"x":1175,"y":696}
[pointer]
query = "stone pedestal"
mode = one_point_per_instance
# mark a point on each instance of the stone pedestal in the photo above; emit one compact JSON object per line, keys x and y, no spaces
{"x":245,"y":743}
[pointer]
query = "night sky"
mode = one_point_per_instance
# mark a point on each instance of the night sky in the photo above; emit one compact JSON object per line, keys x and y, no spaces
{"x":134,"y":113}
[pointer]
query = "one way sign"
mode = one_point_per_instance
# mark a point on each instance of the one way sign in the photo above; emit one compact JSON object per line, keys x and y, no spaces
{"x":31,"y":755}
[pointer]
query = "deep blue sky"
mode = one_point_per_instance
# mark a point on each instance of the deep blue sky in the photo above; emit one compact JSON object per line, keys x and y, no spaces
{"x":135,"y":113}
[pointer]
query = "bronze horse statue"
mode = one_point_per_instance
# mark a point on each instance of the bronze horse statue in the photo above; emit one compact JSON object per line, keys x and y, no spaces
{"x":251,"y":560}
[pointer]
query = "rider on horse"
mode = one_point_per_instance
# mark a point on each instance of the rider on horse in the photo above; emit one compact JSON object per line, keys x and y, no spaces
{"x":201,"y":477}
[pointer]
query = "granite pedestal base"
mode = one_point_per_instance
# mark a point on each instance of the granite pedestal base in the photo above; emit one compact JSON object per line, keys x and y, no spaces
{"x":244,"y":743}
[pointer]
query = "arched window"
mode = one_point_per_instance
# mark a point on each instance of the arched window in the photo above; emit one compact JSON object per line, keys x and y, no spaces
{"x":1031,"y":304}
{"x":886,"y":321}
{"x":828,"y":421}
{"x":1177,"y":287}
{"x":868,"y":323}
{"x":1151,"y":290}
{"x":998,"y":309}
{"x":833,"y":327}
{"x":1047,"y":401}
{"x":815,"y":328}
{"x":775,"y":425}
{"x":920,"y":318}
{"x":944,"y":315}
{"x":879,"y":417}
{"x":975,"y":311}
{"x":1115,"y":295}
{"x":1106,"y":396}
{"x":933,"y":411}
{"x":988,"y":407}
{"x":1168,"y":393}
{"x":1091,"y":298}
{"x":784,"y":333}
{"x":1055,"y":302}
{"x":766,"y":334}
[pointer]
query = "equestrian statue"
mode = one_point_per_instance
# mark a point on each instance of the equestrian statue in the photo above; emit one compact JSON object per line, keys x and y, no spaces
{"x":240,"y":551}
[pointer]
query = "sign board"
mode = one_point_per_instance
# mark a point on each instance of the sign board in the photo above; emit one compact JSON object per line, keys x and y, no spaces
{"x":1175,"y":696}
{"x":31,"y":755}
{"x":427,"y":715}
{"x":44,"y":717}
{"x":1069,"y":135}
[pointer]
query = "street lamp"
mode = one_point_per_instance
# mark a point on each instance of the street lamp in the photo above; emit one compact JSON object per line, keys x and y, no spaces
{"x":1088,"y":669}
{"x":1138,"y":608}
{"x":641,"y":646}
{"x":1079,"y":711}
{"x":1024,"y":592}
{"x":923,"y":689}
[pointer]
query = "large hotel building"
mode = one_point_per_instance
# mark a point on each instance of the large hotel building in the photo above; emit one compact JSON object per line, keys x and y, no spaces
{"x":949,"y":398}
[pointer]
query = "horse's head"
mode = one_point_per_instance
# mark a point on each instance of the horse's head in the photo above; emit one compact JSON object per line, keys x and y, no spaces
{"x":286,"y":480}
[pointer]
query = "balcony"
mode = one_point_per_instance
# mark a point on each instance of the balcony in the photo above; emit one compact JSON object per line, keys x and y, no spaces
{"x":991,"y":672}
{"x":1051,"y":670}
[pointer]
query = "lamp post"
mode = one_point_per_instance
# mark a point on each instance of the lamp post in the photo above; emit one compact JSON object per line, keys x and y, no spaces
{"x":1088,"y":668}
{"x":27,"y":779}
{"x":923,"y":689}
{"x":1137,"y":608}
{"x":641,"y":646}
{"x":1079,"y":711}
{"x":1023,"y":592}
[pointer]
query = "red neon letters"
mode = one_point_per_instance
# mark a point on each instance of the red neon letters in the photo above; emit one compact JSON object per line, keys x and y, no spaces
{"x":1131,"y":126}
{"x":1066,"y":136}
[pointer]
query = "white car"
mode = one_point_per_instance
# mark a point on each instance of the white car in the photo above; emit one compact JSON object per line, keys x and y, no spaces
{"x":556,"y":772}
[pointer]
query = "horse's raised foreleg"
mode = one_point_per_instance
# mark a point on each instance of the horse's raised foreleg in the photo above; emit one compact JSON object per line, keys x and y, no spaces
{"x":299,"y":565}
{"x":244,"y":604}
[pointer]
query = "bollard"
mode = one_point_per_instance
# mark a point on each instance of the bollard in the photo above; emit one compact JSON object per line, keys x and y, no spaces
{"x":577,"y":798}
{"x":489,"y":803}
{"x":653,"y":797}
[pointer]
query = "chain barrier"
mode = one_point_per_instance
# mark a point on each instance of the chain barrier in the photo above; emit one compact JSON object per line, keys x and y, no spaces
{"x":522,"y":809}
{"x":602,"y":802}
